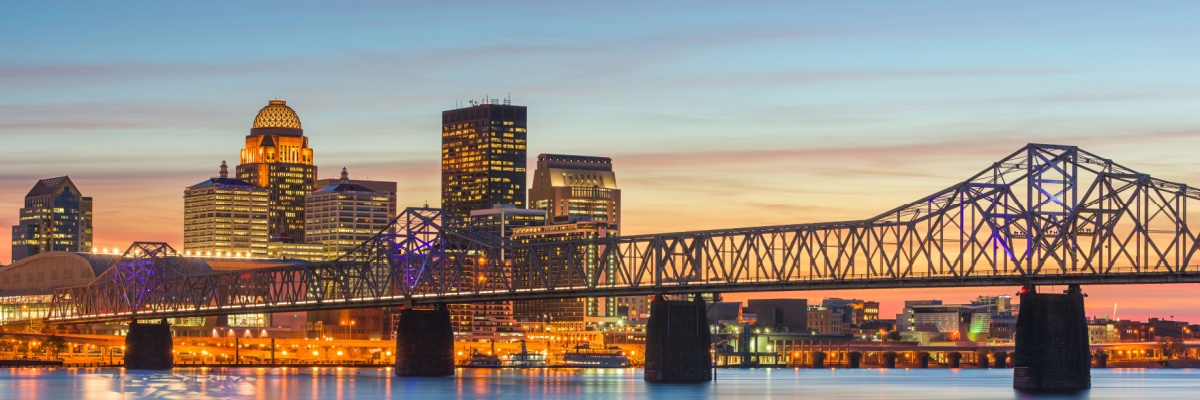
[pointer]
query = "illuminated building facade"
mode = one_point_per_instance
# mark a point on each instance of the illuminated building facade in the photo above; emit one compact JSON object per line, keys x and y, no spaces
{"x":277,"y":157}
{"x":343,"y":215}
{"x":571,"y":314}
{"x":573,"y":188}
{"x":56,"y":217}
{"x":225,"y":216}
{"x":297,"y":251}
{"x":501,"y":219}
{"x":483,"y":157}
{"x":493,"y":321}
{"x":27,"y":291}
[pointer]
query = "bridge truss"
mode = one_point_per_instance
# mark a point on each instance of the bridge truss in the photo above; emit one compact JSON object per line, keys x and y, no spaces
{"x":1046,"y":214}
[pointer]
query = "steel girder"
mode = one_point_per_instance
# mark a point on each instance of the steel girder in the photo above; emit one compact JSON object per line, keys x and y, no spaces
{"x":1045,"y":214}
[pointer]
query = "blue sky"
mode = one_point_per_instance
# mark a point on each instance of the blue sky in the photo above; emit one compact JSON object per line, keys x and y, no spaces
{"x":716,"y":114}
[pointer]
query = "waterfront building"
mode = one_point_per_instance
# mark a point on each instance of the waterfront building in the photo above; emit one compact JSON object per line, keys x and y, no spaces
{"x":985,"y":318}
{"x":725,"y":313}
{"x":277,"y":157}
{"x":27,"y":290}
{"x":853,"y":311}
{"x":790,"y":315}
{"x":344,"y":214}
{"x":571,"y":187}
{"x":996,"y":304}
{"x":297,"y":251}
{"x":577,"y":314}
{"x":56,"y":217}
{"x":483,"y":157}
{"x":501,"y":219}
{"x":825,"y":321}
{"x":870,"y":311}
{"x":1165,"y":328}
{"x":494,"y":321}
{"x":224,"y":215}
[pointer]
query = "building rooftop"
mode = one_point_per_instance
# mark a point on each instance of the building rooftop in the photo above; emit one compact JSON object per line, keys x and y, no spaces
{"x":277,"y":115}
{"x":48,"y":186}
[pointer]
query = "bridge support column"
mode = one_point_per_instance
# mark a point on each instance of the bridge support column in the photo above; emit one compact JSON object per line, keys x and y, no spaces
{"x":678,"y":343}
{"x":424,"y":343}
{"x":1052,"y":342}
{"x":148,"y":346}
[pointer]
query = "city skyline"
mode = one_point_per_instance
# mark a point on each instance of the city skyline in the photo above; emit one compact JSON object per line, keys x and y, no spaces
{"x":769,"y":120}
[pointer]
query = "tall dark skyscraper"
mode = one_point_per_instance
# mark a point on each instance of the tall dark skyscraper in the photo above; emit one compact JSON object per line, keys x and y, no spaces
{"x":56,"y":217}
{"x":483,"y":157}
{"x":277,"y":157}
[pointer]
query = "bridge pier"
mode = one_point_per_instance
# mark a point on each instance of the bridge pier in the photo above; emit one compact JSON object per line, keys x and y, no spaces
{"x":424,"y":343}
{"x":678,"y":342}
{"x":149,"y":346}
{"x":1052,"y":342}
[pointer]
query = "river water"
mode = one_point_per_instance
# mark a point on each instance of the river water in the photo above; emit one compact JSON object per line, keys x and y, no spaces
{"x":369,"y":383}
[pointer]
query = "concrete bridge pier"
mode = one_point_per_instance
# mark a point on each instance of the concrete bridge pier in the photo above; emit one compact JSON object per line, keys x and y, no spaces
{"x":149,"y":346}
{"x":424,"y":343}
{"x":1052,"y":342}
{"x":678,"y":342}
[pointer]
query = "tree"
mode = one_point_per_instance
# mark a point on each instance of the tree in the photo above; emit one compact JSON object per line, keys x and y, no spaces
{"x":893,"y":336}
{"x":1171,"y":347}
{"x":55,"y":345}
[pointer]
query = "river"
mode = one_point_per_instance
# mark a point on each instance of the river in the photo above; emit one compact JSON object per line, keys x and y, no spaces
{"x":371,"y":383}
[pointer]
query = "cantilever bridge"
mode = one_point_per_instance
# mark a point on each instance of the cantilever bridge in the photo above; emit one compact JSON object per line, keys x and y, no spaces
{"x":1046,"y":214}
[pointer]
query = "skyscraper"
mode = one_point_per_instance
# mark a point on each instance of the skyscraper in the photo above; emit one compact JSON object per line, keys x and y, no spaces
{"x":56,"y":217}
{"x":225,"y":216}
{"x":277,"y":157}
{"x":575,"y":187}
{"x":483,"y":157}
{"x":343,"y":215}
{"x":578,"y":313}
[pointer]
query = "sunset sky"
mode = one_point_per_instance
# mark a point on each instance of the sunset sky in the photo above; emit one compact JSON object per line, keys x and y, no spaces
{"x":715,"y":113}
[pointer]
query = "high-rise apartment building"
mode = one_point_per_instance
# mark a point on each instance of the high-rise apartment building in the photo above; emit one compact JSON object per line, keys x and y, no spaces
{"x":344,"y":214}
{"x":277,"y":157}
{"x":483,"y":157}
{"x":56,"y":217}
{"x":575,"y":188}
{"x":578,"y":313}
{"x":225,"y":216}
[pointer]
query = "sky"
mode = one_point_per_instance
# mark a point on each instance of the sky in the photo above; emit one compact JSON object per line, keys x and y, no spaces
{"x":716,"y":114}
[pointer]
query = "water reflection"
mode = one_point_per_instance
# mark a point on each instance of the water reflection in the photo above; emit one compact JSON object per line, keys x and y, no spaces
{"x":350,"y":383}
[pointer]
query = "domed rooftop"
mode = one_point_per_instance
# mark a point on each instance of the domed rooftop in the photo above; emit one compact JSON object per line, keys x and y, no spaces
{"x":277,"y":115}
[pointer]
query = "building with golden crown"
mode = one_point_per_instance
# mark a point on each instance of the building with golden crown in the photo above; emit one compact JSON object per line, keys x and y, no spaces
{"x":277,"y":157}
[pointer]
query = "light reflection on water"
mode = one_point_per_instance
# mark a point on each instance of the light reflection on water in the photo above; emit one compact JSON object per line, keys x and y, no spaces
{"x":350,"y":383}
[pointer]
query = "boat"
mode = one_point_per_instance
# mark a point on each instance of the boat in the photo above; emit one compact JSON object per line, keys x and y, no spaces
{"x":525,"y":359}
{"x":586,"y":357}
{"x":480,"y":360}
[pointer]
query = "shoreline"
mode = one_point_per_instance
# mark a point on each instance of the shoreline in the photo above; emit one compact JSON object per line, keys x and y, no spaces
{"x":1148,"y":364}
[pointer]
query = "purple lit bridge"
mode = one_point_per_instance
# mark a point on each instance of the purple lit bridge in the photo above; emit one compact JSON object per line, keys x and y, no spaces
{"x":1044,"y":215}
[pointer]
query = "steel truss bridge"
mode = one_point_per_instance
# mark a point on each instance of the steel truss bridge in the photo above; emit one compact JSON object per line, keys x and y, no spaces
{"x":1046,"y":214}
